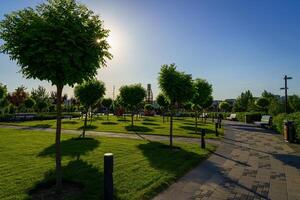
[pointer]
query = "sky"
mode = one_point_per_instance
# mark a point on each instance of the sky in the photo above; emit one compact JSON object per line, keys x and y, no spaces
{"x":235,"y":45}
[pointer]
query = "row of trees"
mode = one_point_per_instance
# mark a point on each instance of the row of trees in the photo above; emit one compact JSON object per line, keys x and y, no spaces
{"x":267,"y":102}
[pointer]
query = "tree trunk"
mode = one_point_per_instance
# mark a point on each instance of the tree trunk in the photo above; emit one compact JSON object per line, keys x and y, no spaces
{"x":57,"y":141}
{"x":107,"y":113}
{"x":163,"y":114}
{"x":132,"y":119}
{"x":84,"y":126}
{"x":196,"y":122}
{"x":171,"y":130}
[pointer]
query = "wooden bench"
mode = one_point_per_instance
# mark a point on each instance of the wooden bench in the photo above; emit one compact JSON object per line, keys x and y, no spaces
{"x":231,"y":117}
{"x":266,"y":120}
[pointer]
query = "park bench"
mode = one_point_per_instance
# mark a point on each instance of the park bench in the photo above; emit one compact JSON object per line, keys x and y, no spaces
{"x":266,"y":120}
{"x":231,"y":117}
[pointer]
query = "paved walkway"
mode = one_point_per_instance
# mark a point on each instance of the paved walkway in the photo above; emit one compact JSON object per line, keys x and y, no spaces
{"x":118,"y":135}
{"x":251,"y":163}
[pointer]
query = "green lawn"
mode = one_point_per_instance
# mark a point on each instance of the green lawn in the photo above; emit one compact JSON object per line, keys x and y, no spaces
{"x":146,"y":125}
{"x":141,"y":168}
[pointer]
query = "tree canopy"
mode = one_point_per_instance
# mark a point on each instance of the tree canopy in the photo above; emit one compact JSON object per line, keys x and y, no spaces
{"x":162,"y":101}
{"x":244,"y":102}
{"x":59,"y":41}
{"x":131,"y":96}
{"x":89,"y":92}
{"x":202,"y":92}
{"x":176,"y":86}
{"x":225,"y":106}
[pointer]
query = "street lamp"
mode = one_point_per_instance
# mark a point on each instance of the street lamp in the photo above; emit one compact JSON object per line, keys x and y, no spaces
{"x":286,"y":88}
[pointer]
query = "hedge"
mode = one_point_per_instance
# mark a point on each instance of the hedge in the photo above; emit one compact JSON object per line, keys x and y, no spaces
{"x":251,"y":116}
{"x":278,"y":121}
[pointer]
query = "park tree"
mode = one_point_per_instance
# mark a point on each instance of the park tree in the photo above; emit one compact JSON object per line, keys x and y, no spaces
{"x":18,"y":96}
{"x":163,"y":103}
{"x":89,"y":93}
{"x":294,"y":103}
{"x":107,"y":104}
{"x":244,"y":102}
{"x":131,"y":97}
{"x":60,"y":41}
{"x":29,"y":103}
{"x":177,"y":87}
{"x":3,"y":98}
{"x":262,"y":103}
{"x":201,"y":97}
{"x":224,"y":106}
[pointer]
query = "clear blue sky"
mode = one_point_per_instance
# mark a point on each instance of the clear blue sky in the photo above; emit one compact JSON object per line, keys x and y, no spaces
{"x":236,"y":45}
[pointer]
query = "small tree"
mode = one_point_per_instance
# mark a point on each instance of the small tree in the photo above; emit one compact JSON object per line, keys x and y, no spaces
{"x":18,"y":97}
{"x":163,"y":104}
{"x":132,"y":96}
{"x":107,"y":103}
{"x":3,"y":98}
{"x":224,"y":106}
{"x":196,"y":108}
{"x":244,"y":102}
{"x":89,"y":93}
{"x":201,"y":97}
{"x":60,"y":41}
{"x":294,"y":103}
{"x":177,"y":87}
{"x":29,"y":103}
{"x":262,"y":103}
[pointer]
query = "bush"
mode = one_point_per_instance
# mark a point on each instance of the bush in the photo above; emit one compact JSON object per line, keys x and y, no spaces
{"x":278,"y":121}
{"x":251,"y":116}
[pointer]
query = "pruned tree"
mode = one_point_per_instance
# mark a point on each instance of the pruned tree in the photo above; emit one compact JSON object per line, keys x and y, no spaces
{"x":163,"y":104}
{"x":177,"y":87}
{"x":224,"y":106}
{"x":60,"y":41}
{"x":89,"y":93}
{"x":107,"y":103}
{"x":201,"y":97}
{"x":29,"y":103}
{"x":131,"y":96}
{"x":18,"y":96}
{"x":262,"y":103}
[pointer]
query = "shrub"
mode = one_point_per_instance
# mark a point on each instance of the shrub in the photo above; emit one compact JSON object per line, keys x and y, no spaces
{"x":251,"y":116}
{"x":279,"y":120}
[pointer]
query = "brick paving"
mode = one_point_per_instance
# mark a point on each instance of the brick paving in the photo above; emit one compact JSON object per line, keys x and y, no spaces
{"x":250,"y":163}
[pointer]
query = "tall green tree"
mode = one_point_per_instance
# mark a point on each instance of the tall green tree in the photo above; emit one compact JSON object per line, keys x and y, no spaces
{"x":3,"y":98}
{"x":163,"y":104}
{"x":224,"y":106}
{"x":60,"y":41}
{"x":29,"y":103}
{"x":294,"y":103}
{"x":201,"y":97}
{"x":262,"y":103}
{"x":89,"y":93}
{"x":177,"y":87}
{"x":107,"y":103}
{"x":244,"y":102}
{"x":132,"y":96}
{"x":41,"y":98}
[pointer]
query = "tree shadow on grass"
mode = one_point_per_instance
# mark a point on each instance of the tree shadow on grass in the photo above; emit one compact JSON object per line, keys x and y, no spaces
{"x":147,"y":119}
{"x":41,"y":126}
{"x":109,"y":123}
{"x":138,"y":128}
{"x":123,"y":120}
{"x":150,"y":123}
{"x":69,"y":122}
{"x":176,"y":162}
{"x":73,"y":147}
{"x":192,"y":129}
{"x":88,"y":127}
{"x":86,"y":179}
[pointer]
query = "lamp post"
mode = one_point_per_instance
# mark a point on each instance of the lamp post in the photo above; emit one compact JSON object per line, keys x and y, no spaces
{"x":286,"y":88}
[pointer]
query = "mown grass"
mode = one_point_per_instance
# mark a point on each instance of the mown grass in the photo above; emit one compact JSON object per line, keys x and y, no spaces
{"x":141,"y":169}
{"x":183,"y":127}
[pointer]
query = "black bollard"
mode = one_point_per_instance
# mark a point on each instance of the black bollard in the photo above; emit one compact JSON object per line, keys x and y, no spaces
{"x":202,"y":139}
{"x":108,"y":176}
{"x":220,"y":122}
{"x":216,"y":126}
